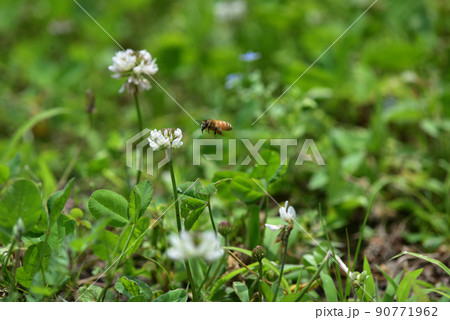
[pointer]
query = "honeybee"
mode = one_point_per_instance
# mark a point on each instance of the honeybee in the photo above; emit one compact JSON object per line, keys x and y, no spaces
{"x":216,"y":125}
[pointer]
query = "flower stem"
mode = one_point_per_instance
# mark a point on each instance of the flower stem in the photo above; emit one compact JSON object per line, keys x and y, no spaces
{"x":141,"y":127}
{"x":202,"y":285}
{"x":314,"y":277}
{"x":219,"y":265}
{"x":178,"y":216}
{"x":41,"y":254}
{"x":283,"y":261}
{"x":5,"y":265}
{"x":259,"y":281}
{"x":266,"y":214}
{"x":175,"y":193}
{"x":211,"y":216}
{"x":191,"y":280}
{"x":297,"y":287}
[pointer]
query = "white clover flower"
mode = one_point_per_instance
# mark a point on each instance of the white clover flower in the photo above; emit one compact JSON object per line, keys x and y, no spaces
{"x":288,"y":215}
{"x":136,"y":66}
{"x":165,"y":138}
{"x":230,"y":10}
{"x":195,"y":245}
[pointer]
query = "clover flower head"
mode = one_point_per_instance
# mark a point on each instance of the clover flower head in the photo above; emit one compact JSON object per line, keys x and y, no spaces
{"x":230,"y":10}
{"x":203,"y":245}
{"x":136,"y":66}
{"x":250,"y":56}
{"x":258,"y":253}
{"x":358,"y":279}
{"x":225,"y":228}
{"x":165,"y":139}
{"x":288,"y":215}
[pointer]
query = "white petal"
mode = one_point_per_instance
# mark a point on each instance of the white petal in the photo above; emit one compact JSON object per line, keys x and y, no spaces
{"x":291,"y":213}
{"x":178,"y":133}
{"x":283,"y":214}
{"x":273,"y":227}
{"x":175,"y":254}
{"x":177,"y":143}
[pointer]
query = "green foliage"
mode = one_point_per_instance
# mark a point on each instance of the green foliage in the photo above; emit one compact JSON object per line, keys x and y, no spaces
{"x":32,"y":262}
{"x":110,"y":205}
{"x":22,"y":200}
{"x":246,"y":189}
{"x":140,"y":198}
{"x":241,"y":291}
{"x":105,"y":244}
{"x":135,"y":289}
{"x":4,"y":173}
{"x":329,"y":287}
{"x":57,"y":201}
{"x":178,"y":295}
{"x":406,"y":284}
{"x":377,"y":110}
{"x":423,"y":257}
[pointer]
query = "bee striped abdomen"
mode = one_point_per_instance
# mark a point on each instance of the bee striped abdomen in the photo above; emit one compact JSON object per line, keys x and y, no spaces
{"x":224,"y":125}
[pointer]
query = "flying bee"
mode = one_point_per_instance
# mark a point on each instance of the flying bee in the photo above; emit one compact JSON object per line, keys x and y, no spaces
{"x":216,"y":125}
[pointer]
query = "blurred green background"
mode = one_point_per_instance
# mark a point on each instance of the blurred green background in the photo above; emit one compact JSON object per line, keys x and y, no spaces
{"x":376,"y":104}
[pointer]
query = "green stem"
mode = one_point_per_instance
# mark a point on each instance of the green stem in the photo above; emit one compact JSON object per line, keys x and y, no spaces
{"x":266,"y":214}
{"x":178,"y":216}
{"x":314,"y":277}
{"x":16,"y":266}
{"x":298,"y":280}
{"x":205,"y":278}
{"x":175,"y":193}
{"x":211,"y":216}
{"x":138,"y":111}
{"x":41,"y":255}
{"x":6,"y":261}
{"x":282,"y":268}
{"x":141,"y":127}
{"x":8,"y":256}
{"x":219,"y":266}
{"x":191,"y":280}
{"x":259,"y":281}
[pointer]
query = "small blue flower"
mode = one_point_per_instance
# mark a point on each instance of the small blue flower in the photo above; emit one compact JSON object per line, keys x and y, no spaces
{"x":232,"y":80}
{"x":250,"y":56}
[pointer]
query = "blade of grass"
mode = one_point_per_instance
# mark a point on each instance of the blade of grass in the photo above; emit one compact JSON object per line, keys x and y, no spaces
{"x":361,"y":235}
{"x":330,"y":246}
{"x":28,"y":125}
{"x":423,"y":257}
{"x":314,"y":277}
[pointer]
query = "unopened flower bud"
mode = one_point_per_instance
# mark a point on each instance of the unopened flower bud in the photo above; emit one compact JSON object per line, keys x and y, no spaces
{"x":271,"y":275}
{"x":258,"y":253}
{"x":76,"y":213}
{"x":358,"y":279}
{"x":18,"y":229}
{"x":225,"y":228}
